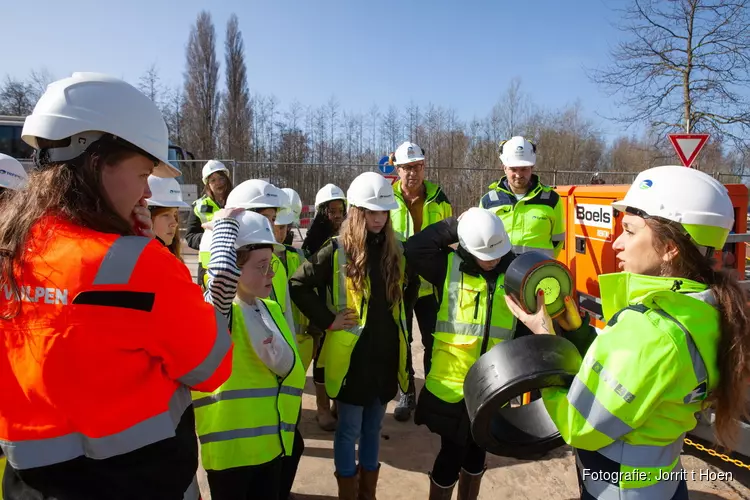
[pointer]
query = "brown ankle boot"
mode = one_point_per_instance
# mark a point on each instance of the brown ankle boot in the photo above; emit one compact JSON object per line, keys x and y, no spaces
{"x":348,"y":486}
{"x":469,"y":484}
{"x":325,"y":419}
{"x":368,"y":483}
{"x":438,"y":492}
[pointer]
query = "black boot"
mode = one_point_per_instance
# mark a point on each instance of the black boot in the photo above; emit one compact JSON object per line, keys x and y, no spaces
{"x":407,"y":402}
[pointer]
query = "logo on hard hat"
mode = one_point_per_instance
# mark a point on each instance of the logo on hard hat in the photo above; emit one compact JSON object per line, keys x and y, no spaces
{"x":174,"y":191}
{"x":646,"y":184}
{"x":410,"y":152}
{"x":10,"y":174}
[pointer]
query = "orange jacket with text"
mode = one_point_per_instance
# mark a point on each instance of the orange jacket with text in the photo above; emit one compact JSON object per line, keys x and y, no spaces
{"x":111,"y":336}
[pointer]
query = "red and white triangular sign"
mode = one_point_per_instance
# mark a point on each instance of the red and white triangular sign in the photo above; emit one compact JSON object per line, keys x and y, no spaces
{"x":688,"y":146}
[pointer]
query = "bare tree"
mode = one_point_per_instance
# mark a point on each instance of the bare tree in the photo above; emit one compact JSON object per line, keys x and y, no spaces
{"x":150,"y":84}
{"x":201,"y":87}
{"x":39,"y":79}
{"x":685,"y":66}
{"x":332,"y":111}
{"x":16,"y":97}
{"x":510,"y":113}
{"x":235,"y":117}
{"x":173,"y":109}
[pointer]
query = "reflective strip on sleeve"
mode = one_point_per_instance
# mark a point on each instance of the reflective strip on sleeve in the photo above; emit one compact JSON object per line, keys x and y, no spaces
{"x":43,"y":452}
{"x":558,"y":237}
{"x":213,"y":359}
{"x":602,"y":489}
{"x":118,"y":264}
{"x":599,"y":417}
{"x":643,"y":455}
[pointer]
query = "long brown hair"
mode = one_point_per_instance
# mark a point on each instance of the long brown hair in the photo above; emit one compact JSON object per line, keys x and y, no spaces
{"x":730,"y":395}
{"x":353,"y":235}
{"x":72,"y":190}
{"x":221,"y":201}
{"x":176,"y":246}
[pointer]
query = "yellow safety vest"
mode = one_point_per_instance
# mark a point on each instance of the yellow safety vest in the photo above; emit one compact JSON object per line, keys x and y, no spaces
{"x":436,"y":208}
{"x":251,"y":418}
{"x":535,"y":222}
{"x":469,"y":323}
{"x":339,"y":344}
{"x":294,"y":258}
{"x":205,"y":208}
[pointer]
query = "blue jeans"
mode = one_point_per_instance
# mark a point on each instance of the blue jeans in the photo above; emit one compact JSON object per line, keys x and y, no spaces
{"x":361,"y":423}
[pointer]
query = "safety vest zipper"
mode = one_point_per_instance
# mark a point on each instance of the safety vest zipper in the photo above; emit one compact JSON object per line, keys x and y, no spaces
{"x":488,"y":317}
{"x":476,"y":305}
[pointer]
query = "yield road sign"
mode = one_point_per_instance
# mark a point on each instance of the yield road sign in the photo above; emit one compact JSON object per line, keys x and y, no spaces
{"x":688,"y":146}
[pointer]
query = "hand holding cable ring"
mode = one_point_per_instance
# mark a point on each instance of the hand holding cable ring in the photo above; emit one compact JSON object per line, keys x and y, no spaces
{"x":540,"y":322}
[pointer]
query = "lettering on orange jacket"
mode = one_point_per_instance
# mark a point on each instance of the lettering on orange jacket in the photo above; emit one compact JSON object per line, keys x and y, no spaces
{"x":110,"y":337}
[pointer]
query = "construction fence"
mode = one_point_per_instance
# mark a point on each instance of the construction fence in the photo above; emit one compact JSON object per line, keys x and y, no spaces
{"x":463,"y":186}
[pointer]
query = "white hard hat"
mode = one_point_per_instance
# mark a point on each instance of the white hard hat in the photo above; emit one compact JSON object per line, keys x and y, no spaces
{"x":255,"y":229}
{"x":212,"y":166}
{"x":256,"y":193}
{"x":329,"y":192}
{"x":482,"y":234}
{"x":697,"y":201}
{"x":12,"y":173}
{"x":86,"y":106}
{"x":289,"y":213}
{"x":371,"y":191}
{"x":165,"y":192}
{"x":518,"y":152}
{"x":408,"y":152}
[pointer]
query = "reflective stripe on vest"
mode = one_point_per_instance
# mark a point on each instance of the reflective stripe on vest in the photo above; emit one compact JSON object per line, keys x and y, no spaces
{"x":116,"y":268}
{"x":339,"y":344}
{"x":463,"y":318}
{"x":528,"y":221}
{"x":452,"y":296}
{"x":655,"y":461}
{"x":251,"y":418}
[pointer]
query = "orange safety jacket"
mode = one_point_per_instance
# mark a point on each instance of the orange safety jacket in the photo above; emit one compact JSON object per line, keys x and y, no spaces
{"x":112,"y":335}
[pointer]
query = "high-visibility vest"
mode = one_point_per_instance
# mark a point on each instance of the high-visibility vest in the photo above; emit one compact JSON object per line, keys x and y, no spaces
{"x":436,"y":208}
{"x":251,"y":418}
{"x":641,"y":383}
{"x":294,"y":258}
{"x":339,"y":344}
{"x":470,"y":322}
{"x":535,"y":222}
{"x":205,"y":208}
{"x":97,"y":370}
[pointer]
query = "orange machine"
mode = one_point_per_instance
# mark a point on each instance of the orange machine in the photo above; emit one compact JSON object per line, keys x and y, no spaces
{"x":592,"y":225}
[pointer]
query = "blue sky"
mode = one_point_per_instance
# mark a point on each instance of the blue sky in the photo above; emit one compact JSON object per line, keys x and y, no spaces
{"x":457,"y":54}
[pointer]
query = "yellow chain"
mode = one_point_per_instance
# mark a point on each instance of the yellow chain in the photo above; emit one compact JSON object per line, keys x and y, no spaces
{"x":714,"y":453}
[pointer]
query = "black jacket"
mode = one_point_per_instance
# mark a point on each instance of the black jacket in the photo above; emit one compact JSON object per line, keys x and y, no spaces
{"x":373,"y":369}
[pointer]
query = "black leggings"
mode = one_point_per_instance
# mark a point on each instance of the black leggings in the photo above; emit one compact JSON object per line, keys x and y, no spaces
{"x":247,"y":483}
{"x":454,"y":457}
{"x":289,"y":466}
